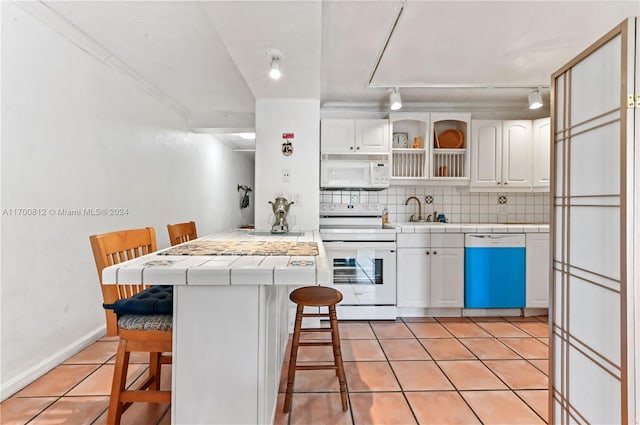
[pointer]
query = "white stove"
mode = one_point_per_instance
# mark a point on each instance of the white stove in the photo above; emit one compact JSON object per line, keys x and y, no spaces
{"x":362,"y":254}
{"x":354,"y":222}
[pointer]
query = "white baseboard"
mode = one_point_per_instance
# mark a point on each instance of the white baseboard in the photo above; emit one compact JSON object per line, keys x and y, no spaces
{"x":366,"y":312}
{"x":429,"y":312}
{"x":535,"y":312}
{"x":15,"y":384}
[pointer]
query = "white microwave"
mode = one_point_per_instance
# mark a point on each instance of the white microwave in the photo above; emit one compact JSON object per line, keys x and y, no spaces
{"x":354,"y":174}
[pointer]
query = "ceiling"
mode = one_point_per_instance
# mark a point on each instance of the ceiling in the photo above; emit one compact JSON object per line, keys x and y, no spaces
{"x":210,"y":57}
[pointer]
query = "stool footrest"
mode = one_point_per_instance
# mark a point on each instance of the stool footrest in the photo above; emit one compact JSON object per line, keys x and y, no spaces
{"x":316,"y":330}
{"x":316,"y":367}
{"x":315,"y":344}
{"x":315,"y":315}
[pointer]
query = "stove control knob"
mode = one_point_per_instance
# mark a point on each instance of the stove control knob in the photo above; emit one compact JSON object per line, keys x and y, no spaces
{"x":332,"y":207}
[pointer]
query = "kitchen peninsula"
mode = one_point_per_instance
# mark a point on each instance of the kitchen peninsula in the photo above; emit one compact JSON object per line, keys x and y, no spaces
{"x":230,"y":323}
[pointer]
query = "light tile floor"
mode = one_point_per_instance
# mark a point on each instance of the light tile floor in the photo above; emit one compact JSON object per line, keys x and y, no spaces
{"x":412,"y":371}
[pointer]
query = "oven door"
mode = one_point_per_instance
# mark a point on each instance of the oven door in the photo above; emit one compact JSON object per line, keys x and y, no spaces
{"x":365,"y":272}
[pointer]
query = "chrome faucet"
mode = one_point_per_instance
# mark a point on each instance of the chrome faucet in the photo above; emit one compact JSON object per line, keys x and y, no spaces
{"x":419,"y":207}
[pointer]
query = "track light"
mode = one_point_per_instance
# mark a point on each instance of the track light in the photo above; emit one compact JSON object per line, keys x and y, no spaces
{"x":535,"y":99}
{"x":394,"y":100}
{"x":274,"y":70}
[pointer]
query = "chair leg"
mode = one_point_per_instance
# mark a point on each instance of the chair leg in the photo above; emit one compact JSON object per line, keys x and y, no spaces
{"x":291,"y":376}
{"x":337,"y":355}
{"x":155,"y":369}
{"x":118,"y":384}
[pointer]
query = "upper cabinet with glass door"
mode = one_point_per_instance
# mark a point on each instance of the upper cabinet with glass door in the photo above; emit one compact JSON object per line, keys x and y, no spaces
{"x":410,"y":132}
{"x":354,"y":136}
{"x":449,"y":146}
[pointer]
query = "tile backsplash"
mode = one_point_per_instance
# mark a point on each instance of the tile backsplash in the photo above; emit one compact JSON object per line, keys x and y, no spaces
{"x":458,"y":205}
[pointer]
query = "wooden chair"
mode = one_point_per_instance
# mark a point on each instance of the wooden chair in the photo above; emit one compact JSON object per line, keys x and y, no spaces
{"x":182,"y":232}
{"x":112,"y":248}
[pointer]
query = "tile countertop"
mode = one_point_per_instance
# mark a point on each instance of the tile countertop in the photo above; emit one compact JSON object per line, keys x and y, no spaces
{"x":469,"y":228}
{"x":155,"y":269}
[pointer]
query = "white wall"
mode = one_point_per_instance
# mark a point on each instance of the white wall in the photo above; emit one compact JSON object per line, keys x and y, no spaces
{"x":273,"y":118}
{"x":79,"y":134}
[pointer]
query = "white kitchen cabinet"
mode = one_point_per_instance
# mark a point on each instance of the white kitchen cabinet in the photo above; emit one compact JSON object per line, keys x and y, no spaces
{"x":486,"y":153}
{"x":365,"y":136}
{"x":372,"y":136}
{"x":413,"y":277}
{"x":501,"y":154}
{"x":541,"y":153}
{"x":537,"y":270}
{"x":337,"y":135}
{"x":516,"y":154}
{"x":447,"y":277}
{"x":431,"y":275}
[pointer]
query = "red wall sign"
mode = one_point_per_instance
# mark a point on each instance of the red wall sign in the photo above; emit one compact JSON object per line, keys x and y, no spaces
{"x":287,"y":135}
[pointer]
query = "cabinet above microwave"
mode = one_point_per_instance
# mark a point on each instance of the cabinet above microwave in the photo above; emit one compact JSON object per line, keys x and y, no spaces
{"x":354,"y":136}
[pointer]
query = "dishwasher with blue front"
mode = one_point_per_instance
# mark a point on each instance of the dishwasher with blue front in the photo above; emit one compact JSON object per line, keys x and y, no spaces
{"x":494,"y":270}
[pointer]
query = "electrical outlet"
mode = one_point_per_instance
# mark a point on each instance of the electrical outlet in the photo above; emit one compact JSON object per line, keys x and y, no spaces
{"x":286,"y":175}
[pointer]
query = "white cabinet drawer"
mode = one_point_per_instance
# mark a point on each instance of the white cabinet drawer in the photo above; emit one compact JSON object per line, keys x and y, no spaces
{"x":444,"y":240}
{"x":413,"y":240}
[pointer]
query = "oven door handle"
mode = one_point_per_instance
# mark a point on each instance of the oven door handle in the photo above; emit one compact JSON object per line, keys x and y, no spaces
{"x":359,"y":245}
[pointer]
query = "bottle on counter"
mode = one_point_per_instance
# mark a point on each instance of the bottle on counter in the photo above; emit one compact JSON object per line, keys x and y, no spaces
{"x":385,"y":216}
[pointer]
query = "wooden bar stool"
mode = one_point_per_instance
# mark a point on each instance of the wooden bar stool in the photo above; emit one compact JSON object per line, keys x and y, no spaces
{"x":316,"y":296}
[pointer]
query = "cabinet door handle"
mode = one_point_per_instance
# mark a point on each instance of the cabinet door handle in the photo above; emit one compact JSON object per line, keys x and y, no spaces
{"x":506,"y":183}
{"x":498,"y":183}
{"x":358,"y":148}
{"x":427,"y":252}
{"x":435,"y":252}
{"x":351,"y":147}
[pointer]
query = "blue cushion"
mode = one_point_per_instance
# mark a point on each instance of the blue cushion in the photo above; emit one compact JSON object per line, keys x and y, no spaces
{"x":153,"y":300}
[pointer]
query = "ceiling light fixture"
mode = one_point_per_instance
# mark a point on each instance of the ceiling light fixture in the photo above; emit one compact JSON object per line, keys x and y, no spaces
{"x":275,"y":56}
{"x":274,"y":70}
{"x":395,"y":101}
{"x":535,"y":99}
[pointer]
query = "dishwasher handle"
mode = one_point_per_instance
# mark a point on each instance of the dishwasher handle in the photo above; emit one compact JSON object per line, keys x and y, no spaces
{"x":494,"y":240}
